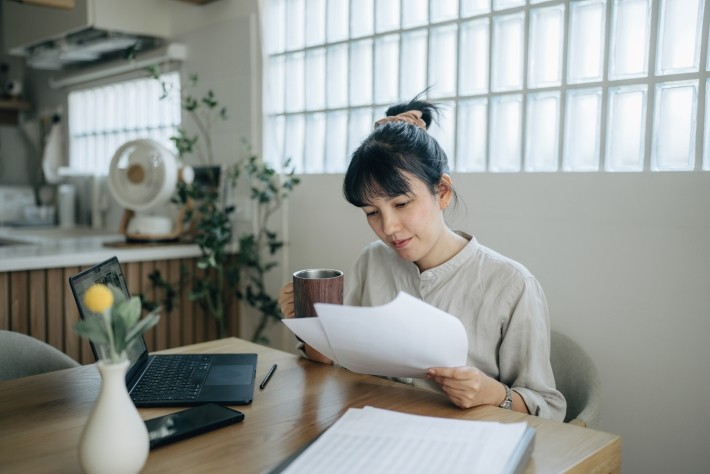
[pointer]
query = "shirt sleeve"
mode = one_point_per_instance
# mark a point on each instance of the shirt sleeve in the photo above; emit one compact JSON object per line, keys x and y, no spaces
{"x":525,"y":352}
{"x":354,"y":282}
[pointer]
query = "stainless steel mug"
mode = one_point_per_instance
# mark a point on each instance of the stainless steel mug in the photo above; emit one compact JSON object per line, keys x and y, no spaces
{"x":316,"y":286}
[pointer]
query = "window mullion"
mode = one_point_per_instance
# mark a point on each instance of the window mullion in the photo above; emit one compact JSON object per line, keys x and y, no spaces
{"x":347,"y":76}
{"x":373,"y":62}
{"x":700,"y":143}
{"x":455,"y":152}
{"x":428,"y":47}
{"x":400,"y":50}
{"x":524,"y":91}
{"x":652,"y":81}
{"x":605,"y":86}
{"x":563,"y":89}
{"x":489,"y":94}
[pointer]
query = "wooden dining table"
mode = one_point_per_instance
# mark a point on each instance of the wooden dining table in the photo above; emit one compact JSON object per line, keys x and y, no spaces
{"x":42,"y":416}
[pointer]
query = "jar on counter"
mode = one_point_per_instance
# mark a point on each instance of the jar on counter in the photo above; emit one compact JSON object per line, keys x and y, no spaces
{"x":66,"y":203}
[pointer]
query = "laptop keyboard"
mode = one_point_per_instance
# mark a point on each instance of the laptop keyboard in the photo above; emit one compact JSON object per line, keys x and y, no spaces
{"x":172,"y":378}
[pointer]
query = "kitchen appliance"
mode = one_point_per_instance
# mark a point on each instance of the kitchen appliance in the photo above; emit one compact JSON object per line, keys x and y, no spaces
{"x":142,"y":177}
{"x":93,"y":31}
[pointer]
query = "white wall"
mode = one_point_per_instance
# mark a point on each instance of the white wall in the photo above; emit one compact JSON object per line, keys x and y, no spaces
{"x":625,"y":263}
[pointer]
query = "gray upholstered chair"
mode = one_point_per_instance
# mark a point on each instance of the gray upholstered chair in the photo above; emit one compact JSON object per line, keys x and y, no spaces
{"x":22,"y":355}
{"x":576,"y":376}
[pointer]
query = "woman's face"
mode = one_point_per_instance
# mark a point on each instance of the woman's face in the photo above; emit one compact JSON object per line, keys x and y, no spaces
{"x":412,"y":224}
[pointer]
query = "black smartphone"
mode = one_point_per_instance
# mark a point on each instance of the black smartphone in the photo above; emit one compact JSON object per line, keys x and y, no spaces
{"x":167,"y":429}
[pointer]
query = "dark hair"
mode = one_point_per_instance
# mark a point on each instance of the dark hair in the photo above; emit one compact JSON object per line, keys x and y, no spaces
{"x":378,"y":166}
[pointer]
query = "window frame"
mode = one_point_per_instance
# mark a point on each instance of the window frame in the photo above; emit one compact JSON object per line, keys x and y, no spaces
{"x":275,"y":145}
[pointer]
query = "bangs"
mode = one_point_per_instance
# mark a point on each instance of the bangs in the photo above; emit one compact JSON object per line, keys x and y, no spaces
{"x":375,"y":175}
{"x":386,"y":162}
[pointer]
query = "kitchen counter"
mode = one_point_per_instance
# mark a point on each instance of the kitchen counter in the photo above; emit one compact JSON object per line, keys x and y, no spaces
{"x":35,"y":297}
{"x":30,"y":248}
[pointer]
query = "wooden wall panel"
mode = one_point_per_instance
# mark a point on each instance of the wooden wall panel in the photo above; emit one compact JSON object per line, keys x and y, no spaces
{"x":131,"y":272}
{"x":56,"y":287}
{"x":146,"y":268}
{"x":200,"y":316}
{"x":233,"y":315}
{"x":37,"y":300}
{"x":232,"y":305}
{"x":189,"y":308}
{"x":40,"y":303}
{"x":5,"y":301}
{"x":19,"y":293}
{"x":175,"y":315}
{"x":162,"y":330}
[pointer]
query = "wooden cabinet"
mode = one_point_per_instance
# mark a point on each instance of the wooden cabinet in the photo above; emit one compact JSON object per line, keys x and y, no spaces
{"x":10,"y":111}
{"x":40,"y":303}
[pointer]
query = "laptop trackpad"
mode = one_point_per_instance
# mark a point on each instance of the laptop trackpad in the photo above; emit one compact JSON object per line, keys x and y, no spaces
{"x":229,"y":375}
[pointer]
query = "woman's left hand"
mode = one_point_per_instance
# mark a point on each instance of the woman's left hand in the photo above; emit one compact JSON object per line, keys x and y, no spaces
{"x":467,"y":387}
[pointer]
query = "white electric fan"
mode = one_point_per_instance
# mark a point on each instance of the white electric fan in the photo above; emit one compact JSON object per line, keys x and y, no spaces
{"x":142,"y":177}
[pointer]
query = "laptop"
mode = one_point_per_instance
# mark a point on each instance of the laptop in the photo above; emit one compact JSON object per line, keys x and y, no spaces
{"x":174,"y":379}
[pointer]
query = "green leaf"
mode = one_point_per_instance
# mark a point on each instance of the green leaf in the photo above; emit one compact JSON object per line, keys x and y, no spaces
{"x":143,"y":325}
{"x":118,"y":295}
{"x":119,"y":328}
{"x":93,"y":329}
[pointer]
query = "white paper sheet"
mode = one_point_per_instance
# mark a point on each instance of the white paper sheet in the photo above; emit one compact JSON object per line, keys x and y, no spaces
{"x":402,"y":338}
{"x":375,"y":441}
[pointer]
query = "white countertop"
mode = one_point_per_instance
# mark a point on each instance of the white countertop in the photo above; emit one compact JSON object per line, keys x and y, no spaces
{"x":30,"y":248}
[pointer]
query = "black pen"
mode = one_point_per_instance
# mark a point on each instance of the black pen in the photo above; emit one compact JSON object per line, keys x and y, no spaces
{"x":268,"y":377}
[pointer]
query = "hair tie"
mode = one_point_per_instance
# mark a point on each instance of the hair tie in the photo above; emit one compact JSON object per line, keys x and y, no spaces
{"x":412,"y":117}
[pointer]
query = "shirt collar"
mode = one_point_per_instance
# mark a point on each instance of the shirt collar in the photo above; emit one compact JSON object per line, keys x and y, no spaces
{"x":454,"y":262}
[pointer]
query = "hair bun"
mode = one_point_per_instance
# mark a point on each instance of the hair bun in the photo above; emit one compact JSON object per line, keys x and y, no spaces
{"x":427,"y":110}
{"x":412,"y":117}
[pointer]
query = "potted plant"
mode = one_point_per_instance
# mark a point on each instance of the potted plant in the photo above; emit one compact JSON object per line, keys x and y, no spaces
{"x":114,"y":439}
{"x":226,"y":274}
{"x":268,"y":191}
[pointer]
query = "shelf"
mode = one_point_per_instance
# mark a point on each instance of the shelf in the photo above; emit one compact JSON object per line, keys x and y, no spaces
{"x":10,"y":110}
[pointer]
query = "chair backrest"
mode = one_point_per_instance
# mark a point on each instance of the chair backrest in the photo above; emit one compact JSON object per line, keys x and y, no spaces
{"x":22,"y":355}
{"x":576,"y":376}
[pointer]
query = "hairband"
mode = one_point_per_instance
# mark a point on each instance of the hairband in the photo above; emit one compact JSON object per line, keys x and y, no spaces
{"x":412,"y":117}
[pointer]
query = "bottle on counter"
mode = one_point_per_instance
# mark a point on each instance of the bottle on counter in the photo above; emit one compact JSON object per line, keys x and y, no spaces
{"x":66,"y":202}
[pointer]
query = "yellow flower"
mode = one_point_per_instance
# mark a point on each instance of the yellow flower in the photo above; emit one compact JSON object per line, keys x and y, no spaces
{"x":98,"y":298}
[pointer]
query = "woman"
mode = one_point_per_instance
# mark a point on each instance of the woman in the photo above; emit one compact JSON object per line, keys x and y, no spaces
{"x":398,"y":177}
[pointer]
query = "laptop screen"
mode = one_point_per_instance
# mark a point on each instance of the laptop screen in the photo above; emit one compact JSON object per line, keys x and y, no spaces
{"x":109,"y":273}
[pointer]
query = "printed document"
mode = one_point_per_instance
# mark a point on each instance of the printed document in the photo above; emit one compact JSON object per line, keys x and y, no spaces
{"x":375,"y":441}
{"x":402,"y":338}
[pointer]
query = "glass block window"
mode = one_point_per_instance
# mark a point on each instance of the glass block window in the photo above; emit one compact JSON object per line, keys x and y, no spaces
{"x":101,"y":119}
{"x":525,"y":85}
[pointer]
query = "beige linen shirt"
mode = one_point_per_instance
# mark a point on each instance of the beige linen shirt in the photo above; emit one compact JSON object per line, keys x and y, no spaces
{"x":499,"y":302}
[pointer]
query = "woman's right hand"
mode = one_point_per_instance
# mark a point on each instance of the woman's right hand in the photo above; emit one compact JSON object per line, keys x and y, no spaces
{"x":286,"y":305}
{"x":286,"y":300}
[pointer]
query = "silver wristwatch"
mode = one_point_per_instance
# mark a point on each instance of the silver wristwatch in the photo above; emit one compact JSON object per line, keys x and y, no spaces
{"x":508,"y":401}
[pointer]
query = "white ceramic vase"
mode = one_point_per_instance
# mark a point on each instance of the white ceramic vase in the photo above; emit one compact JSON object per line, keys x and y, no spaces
{"x":115,"y":438}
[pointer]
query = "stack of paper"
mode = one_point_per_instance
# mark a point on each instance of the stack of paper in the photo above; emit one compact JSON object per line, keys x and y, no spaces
{"x":374,"y":441}
{"x":402,"y":338}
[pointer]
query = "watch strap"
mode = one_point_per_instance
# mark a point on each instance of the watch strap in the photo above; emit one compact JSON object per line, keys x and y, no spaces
{"x":508,"y":400}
